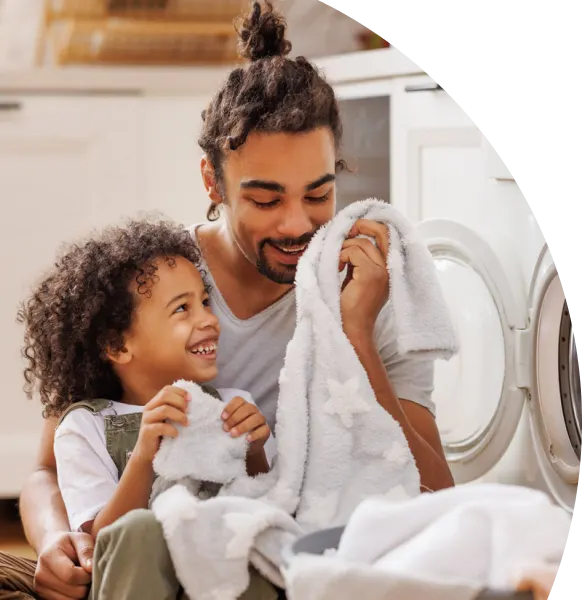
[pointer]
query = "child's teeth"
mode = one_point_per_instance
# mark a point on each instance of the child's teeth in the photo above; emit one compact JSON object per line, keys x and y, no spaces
{"x":205,"y":349}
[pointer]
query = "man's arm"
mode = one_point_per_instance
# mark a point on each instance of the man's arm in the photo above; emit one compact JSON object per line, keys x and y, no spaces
{"x":46,"y":527}
{"x":418,"y":424}
{"x":364,"y":293}
{"x":42,"y":509}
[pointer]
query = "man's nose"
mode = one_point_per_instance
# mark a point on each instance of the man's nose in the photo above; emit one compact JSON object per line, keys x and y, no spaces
{"x":295,"y":221}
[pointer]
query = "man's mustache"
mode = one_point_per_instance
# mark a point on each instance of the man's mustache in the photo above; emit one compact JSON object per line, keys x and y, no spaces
{"x":288,"y":242}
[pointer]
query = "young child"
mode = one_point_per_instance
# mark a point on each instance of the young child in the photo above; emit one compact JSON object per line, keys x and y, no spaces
{"x":117,"y":321}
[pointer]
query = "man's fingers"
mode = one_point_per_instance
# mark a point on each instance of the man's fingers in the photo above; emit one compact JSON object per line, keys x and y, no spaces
{"x":50,"y":594}
{"x":378,"y":231}
{"x":354,"y":256}
{"x":62,"y":578}
{"x":83,"y":546}
{"x":368,"y":248}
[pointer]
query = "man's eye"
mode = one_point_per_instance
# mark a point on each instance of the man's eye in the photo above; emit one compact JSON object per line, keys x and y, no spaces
{"x":266,"y":204}
{"x":317,"y":199}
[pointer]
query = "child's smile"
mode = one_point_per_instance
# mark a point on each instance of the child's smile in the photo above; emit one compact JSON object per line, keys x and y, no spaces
{"x":205,"y":349}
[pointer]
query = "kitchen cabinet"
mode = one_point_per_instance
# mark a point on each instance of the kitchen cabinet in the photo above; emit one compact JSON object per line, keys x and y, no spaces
{"x":443,"y":163}
{"x":66,"y":165}
{"x":438,"y":160}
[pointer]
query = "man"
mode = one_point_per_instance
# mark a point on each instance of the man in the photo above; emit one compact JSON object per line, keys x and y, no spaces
{"x":271,"y":139}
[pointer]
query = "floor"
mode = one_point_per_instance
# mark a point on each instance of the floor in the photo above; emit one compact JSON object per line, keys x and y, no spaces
{"x":12,"y":538}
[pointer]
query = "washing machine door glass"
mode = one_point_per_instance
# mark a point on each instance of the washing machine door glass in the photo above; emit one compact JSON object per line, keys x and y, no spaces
{"x":468,"y":388}
{"x":554,"y":388}
{"x":570,"y":381}
{"x":478,"y":403}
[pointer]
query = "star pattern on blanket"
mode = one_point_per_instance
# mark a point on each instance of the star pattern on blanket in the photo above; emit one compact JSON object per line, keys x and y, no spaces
{"x":244,"y":526}
{"x":344,"y":401}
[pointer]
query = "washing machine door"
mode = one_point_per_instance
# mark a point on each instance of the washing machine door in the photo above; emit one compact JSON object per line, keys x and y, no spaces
{"x":479,"y":403}
{"x":554,"y":388}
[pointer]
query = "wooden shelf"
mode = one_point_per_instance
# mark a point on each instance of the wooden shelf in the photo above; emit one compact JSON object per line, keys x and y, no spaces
{"x":203,"y":10}
{"x":135,"y":42}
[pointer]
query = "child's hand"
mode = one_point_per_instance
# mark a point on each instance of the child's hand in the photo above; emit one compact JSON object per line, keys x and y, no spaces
{"x":170,"y":404}
{"x":241,"y":417}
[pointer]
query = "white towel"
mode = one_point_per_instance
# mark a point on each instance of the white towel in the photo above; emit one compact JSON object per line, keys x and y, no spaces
{"x":421,"y":316}
{"x":336,"y":445}
{"x":450,"y":544}
{"x":199,"y":453}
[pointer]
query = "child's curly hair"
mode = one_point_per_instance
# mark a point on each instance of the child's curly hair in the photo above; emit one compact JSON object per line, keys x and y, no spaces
{"x":83,"y":307}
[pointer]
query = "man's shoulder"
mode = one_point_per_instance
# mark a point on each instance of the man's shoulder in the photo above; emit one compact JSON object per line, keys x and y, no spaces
{"x":191,"y":229}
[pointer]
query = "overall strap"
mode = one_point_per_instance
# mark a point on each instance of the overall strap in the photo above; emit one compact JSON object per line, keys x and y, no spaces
{"x":210,"y":390}
{"x":95,"y":406}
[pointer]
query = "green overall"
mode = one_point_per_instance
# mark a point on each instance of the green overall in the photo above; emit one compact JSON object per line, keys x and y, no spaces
{"x":115,"y":575}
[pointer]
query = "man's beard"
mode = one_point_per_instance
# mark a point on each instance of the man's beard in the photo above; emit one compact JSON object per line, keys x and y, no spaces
{"x":284,"y":274}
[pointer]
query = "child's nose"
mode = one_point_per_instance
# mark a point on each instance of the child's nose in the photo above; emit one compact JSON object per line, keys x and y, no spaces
{"x":206,"y":320}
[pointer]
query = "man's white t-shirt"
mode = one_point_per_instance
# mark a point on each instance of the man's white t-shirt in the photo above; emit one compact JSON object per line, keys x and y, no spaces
{"x":86,"y":472}
{"x":251,"y":352}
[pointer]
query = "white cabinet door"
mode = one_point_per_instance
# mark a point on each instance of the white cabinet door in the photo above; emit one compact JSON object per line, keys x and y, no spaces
{"x":66,"y":165}
{"x":174,"y":185}
{"x":438,"y":163}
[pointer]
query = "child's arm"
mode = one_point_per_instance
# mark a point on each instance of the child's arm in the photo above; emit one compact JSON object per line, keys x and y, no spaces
{"x":257,"y":463}
{"x":135,"y":485}
{"x":133,"y":491}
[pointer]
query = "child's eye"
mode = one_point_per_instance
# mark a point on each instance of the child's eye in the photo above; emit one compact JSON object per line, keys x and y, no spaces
{"x":181,"y":308}
{"x":206,"y":302}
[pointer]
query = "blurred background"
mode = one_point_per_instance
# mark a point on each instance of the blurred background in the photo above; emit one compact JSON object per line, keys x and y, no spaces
{"x":100,"y":104}
{"x":154,"y":32}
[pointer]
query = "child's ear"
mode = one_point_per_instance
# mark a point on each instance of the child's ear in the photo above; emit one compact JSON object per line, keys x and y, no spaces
{"x":119,"y":356}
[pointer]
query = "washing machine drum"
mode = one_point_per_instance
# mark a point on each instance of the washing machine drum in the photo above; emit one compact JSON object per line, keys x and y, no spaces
{"x":570,"y":382}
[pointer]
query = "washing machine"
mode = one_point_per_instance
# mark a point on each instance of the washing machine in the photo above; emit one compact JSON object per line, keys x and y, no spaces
{"x":508,"y":405}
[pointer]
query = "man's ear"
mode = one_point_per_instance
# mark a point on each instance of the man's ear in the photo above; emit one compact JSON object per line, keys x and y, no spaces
{"x":209,"y":180}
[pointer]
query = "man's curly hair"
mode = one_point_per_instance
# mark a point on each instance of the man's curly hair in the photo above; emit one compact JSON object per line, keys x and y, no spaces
{"x":84,"y":306}
{"x":272,"y":94}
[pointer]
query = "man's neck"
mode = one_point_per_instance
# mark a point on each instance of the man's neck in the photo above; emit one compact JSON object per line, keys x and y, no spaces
{"x":246,"y":291}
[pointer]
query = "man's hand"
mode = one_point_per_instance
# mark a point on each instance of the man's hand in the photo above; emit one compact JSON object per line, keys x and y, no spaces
{"x":241,"y":417}
{"x":57,"y":575}
{"x":366,"y":287}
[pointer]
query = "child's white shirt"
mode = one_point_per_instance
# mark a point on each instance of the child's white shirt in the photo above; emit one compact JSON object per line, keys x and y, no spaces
{"x":86,"y":472}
